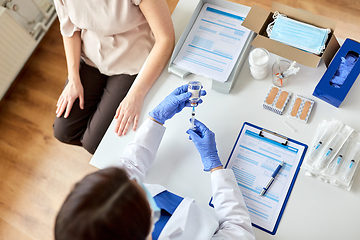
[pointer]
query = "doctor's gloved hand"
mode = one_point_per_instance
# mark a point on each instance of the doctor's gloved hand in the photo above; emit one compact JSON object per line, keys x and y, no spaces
{"x":173,"y":104}
{"x":204,"y":140}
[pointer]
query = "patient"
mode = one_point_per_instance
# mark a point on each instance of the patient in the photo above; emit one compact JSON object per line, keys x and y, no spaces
{"x":106,"y":43}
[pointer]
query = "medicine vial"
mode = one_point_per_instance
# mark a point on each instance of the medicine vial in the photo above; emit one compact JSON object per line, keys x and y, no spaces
{"x":258,"y":62}
{"x":194,"y":87}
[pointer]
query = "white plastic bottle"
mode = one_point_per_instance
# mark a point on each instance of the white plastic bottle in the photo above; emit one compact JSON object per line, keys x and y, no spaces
{"x":258,"y":62}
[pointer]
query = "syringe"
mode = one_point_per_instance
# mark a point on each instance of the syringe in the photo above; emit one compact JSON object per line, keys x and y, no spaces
{"x":318,"y":146}
{"x":331,"y":147}
{"x":335,"y":165}
{"x":194,"y":87}
{"x":193,"y":119}
{"x":349,"y":171}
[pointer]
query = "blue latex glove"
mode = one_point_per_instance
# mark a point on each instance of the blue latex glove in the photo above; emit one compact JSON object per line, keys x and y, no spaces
{"x":346,"y":65}
{"x":204,"y":140}
{"x":173,"y":103}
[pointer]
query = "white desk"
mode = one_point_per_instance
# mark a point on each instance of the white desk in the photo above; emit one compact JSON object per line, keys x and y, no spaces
{"x":315,"y":209}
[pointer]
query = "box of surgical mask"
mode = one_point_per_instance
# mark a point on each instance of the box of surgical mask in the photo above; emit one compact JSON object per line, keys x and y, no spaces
{"x":340,"y":75}
{"x":294,"y":22}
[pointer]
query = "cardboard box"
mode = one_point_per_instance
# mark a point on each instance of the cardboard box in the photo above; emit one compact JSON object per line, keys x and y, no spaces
{"x":258,"y":19}
{"x":325,"y":90}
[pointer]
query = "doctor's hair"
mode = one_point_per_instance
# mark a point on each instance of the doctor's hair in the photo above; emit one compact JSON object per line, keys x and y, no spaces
{"x":104,"y":205}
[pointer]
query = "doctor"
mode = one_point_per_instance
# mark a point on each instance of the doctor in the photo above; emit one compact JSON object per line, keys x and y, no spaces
{"x":113,"y":203}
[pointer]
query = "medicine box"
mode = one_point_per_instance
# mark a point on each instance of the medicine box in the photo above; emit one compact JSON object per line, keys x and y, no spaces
{"x":259,"y":18}
{"x":332,"y":93}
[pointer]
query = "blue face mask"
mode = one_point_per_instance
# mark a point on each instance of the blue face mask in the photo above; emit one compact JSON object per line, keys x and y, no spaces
{"x":298,"y":34}
{"x":155,"y":210}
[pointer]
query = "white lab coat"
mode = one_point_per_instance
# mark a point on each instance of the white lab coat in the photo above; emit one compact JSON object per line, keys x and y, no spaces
{"x":190,"y":221}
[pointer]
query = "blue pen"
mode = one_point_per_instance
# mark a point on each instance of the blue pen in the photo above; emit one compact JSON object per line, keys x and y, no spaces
{"x":271,"y":180}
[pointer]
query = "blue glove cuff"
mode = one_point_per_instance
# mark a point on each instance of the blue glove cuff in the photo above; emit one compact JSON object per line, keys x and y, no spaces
{"x":154,"y":116}
{"x":211,"y":163}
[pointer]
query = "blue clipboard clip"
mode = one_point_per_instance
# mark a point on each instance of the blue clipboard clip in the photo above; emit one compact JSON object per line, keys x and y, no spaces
{"x":273,"y":136}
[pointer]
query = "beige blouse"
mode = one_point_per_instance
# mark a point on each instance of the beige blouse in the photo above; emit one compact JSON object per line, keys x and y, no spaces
{"x":116,"y":38}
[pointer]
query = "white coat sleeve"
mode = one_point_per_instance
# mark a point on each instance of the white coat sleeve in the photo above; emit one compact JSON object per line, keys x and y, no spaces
{"x":233,"y":216}
{"x":140,"y":153}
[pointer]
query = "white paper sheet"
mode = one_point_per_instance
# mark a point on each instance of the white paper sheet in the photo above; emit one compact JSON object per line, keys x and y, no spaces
{"x":214,"y":43}
{"x":253,"y":161}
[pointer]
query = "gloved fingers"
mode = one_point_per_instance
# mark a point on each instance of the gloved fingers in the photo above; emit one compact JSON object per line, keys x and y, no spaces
{"x":202,"y":92}
{"x":201,"y":127}
{"x":196,"y":129}
{"x":180,"y":90}
{"x":181,"y":98}
{"x":193,"y":135}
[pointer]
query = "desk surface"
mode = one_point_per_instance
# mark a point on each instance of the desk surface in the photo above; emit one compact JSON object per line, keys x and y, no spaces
{"x":315,"y":210}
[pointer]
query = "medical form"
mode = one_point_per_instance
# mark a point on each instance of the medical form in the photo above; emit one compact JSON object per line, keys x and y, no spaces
{"x":253,"y":160}
{"x":214,"y":43}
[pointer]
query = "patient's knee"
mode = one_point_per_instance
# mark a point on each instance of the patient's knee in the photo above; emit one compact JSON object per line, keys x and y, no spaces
{"x":66,"y":134}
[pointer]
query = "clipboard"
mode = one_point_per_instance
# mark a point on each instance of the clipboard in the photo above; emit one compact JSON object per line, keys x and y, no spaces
{"x":254,"y":157}
{"x":223,"y":87}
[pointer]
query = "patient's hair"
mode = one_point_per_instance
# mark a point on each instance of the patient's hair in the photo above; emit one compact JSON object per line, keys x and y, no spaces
{"x":105,"y":205}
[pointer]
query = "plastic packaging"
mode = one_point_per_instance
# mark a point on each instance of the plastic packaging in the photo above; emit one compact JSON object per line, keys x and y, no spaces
{"x":347,"y":171}
{"x":332,"y":148}
{"x":324,"y":133}
{"x":276,"y":100}
{"x":300,"y":108}
{"x":338,"y":160}
{"x":335,"y":154}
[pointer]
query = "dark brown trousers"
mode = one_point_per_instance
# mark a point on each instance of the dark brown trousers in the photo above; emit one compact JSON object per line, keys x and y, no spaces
{"x":102,"y":96}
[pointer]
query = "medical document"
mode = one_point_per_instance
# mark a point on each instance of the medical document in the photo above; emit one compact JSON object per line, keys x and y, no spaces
{"x":214,"y":43}
{"x":253,"y":160}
